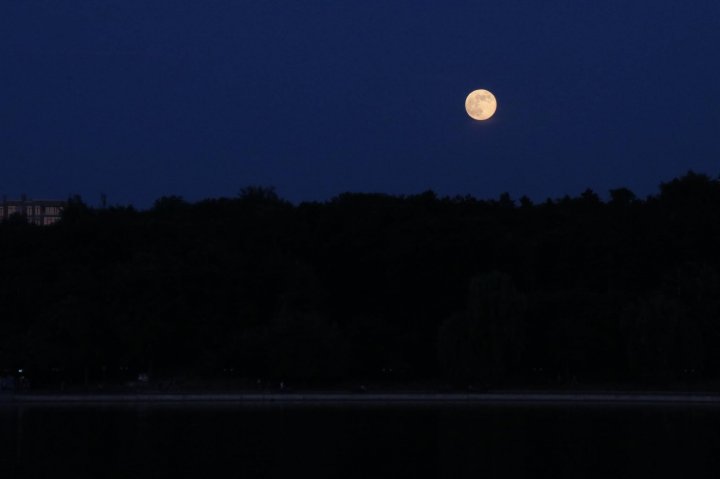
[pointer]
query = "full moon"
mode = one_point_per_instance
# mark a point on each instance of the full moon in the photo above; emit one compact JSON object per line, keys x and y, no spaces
{"x":480,"y":104}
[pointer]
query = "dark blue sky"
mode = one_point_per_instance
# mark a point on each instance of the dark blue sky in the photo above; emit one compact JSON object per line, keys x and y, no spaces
{"x":144,"y":98}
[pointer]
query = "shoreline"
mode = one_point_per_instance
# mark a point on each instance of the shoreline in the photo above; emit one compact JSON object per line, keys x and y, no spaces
{"x":330,"y":398}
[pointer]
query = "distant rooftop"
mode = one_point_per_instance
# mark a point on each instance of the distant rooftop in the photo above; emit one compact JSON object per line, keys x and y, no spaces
{"x":39,"y":212}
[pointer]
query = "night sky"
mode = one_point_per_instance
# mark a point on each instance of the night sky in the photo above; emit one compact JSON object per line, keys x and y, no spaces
{"x":143,"y":98}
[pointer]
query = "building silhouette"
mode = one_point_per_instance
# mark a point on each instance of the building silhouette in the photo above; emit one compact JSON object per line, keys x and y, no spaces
{"x":38,"y":212}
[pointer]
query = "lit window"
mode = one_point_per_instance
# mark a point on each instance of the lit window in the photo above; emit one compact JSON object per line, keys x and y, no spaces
{"x":29,"y":210}
{"x":37,"y":211}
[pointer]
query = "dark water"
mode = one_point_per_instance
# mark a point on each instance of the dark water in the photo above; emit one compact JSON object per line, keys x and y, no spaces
{"x":358,"y":442}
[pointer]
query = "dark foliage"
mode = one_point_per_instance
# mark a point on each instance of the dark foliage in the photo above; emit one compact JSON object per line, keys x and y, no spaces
{"x":370,"y":288}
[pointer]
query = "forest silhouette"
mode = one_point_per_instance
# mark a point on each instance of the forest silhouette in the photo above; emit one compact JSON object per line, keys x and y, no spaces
{"x":370,"y":289}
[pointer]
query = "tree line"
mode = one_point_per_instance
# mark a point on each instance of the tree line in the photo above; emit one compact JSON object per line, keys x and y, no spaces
{"x":371,"y":289}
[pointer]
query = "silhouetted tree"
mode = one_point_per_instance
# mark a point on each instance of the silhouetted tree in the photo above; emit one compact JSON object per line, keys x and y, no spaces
{"x":485,"y":340}
{"x":372,"y":287}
